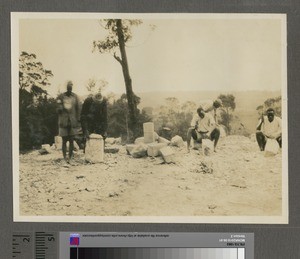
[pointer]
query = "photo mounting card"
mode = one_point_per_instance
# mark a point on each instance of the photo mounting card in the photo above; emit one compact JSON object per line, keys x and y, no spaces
{"x":183,"y":117}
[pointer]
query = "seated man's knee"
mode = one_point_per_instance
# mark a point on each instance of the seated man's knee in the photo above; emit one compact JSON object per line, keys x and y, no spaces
{"x":215,"y":133}
{"x":259,"y":134}
{"x":218,"y":132}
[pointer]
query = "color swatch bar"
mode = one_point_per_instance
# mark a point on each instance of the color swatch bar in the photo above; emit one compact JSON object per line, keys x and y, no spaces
{"x":156,"y":253}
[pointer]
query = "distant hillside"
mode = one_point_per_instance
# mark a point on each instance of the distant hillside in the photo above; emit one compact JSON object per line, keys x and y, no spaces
{"x":246,"y":101}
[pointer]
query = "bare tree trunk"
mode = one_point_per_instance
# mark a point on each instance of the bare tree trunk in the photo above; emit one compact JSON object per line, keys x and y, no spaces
{"x":128,"y":83}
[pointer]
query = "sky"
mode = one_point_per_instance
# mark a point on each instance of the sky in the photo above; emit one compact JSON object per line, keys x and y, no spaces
{"x":178,"y":55}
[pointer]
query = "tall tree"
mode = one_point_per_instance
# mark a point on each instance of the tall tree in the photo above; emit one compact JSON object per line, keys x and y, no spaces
{"x":119,"y":32}
{"x":33,"y":78}
{"x":37,"y":112}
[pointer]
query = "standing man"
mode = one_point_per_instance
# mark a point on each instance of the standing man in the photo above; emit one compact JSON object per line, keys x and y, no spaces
{"x":68,"y":118}
{"x":269,"y":127}
{"x":94,"y":116}
{"x":203,"y":126}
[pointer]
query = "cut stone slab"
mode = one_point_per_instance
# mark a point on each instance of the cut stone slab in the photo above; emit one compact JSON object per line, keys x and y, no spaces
{"x":168,"y":154}
{"x":58,"y":142}
{"x":177,"y":141}
{"x":94,"y":150}
{"x":163,"y":140}
{"x":149,"y":135}
{"x":139,"y":151}
{"x":153,"y":148}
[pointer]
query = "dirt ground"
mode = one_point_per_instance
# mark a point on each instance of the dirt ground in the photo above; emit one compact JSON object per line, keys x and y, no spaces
{"x":238,"y":180}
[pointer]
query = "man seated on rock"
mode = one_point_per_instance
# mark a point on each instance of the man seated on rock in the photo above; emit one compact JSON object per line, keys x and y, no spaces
{"x":211,"y":107}
{"x":269,"y":127}
{"x":203,"y":126}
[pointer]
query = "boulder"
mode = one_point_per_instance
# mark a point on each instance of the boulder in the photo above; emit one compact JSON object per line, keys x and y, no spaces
{"x":168,"y":154}
{"x":153,"y":148}
{"x":94,"y":149}
{"x":177,"y":141}
{"x":130,"y":147}
{"x":139,"y":151}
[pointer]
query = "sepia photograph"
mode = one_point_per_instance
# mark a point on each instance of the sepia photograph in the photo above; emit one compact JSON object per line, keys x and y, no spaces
{"x":174,"y":118}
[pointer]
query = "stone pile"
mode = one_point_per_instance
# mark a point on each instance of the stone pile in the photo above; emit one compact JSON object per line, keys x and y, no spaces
{"x":152,"y":145}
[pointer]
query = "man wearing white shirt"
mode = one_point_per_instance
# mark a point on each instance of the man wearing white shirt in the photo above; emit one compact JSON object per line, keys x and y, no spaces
{"x":211,"y":106}
{"x":203,"y":126}
{"x":269,"y":127}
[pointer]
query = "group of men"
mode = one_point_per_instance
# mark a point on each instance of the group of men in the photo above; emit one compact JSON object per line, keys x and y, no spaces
{"x":204,"y":126}
{"x":93,"y":119}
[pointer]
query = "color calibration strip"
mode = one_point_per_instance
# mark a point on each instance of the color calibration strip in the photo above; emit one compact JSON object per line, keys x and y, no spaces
{"x":156,"y":253}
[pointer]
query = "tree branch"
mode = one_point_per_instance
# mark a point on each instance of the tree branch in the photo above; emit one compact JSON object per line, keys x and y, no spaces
{"x":118,"y":59}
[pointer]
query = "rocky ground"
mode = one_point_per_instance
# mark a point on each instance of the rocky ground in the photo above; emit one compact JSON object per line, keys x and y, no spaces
{"x":238,"y":180}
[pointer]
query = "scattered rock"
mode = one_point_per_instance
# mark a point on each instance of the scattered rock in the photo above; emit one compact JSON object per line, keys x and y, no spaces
{"x":129,"y":148}
{"x":111,"y":150}
{"x":177,"y":141}
{"x":212,"y":206}
{"x":153,"y":148}
{"x":43,"y":151}
{"x":239,"y":184}
{"x":168,"y":154}
{"x":205,"y":168}
{"x":114,"y":194}
{"x":126,"y":213}
{"x":139,"y":151}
